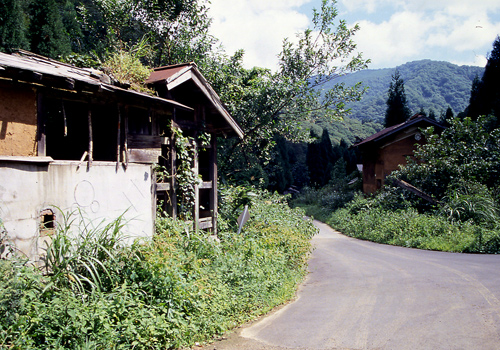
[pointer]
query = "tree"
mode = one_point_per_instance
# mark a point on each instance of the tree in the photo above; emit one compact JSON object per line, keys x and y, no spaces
{"x":432,"y":114}
{"x":397,"y":107}
{"x":279,"y":168}
{"x":466,"y":151}
{"x":12,"y":26}
{"x":485,"y":93}
{"x":265,"y":103}
{"x":47,"y":34}
{"x":178,"y":29}
{"x":447,"y":117}
{"x":320,"y":160}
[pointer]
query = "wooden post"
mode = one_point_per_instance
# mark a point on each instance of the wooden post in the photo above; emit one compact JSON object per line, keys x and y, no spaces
{"x":173,"y":168}
{"x":125,"y":142}
{"x":196,"y":209}
{"x":213,"y":178}
{"x":65,"y":121}
{"x":118,"y":138}
{"x":91,"y":138}
{"x":41,"y":137}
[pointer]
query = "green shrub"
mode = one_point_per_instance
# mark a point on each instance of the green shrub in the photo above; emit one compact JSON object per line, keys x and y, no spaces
{"x":320,"y":203}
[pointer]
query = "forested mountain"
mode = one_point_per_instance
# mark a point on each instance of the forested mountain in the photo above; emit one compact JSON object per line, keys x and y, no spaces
{"x":349,"y":129}
{"x":428,"y":84}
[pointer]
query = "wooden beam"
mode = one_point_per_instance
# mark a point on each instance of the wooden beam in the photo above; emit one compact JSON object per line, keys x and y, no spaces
{"x":196,"y":209}
{"x":125,"y":142}
{"x":205,"y":185}
{"x":162,"y":186}
{"x":91,"y":137}
{"x":409,"y":187}
{"x":65,"y":119}
{"x":118,"y":138}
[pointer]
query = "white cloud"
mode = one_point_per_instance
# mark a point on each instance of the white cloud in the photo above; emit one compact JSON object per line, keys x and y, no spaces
{"x":453,"y":30}
{"x":392,"y":41}
{"x":370,"y":6}
{"x":392,"y":31}
{"x":453,"y":7}
{"x":257,"y":26}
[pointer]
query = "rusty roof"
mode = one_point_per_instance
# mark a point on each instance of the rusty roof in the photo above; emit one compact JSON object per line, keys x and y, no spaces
{"x":415,"y":119}
{"x":164,"y":74}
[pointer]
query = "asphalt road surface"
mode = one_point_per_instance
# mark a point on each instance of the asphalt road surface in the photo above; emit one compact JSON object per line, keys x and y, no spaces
{"x":363,"y":295}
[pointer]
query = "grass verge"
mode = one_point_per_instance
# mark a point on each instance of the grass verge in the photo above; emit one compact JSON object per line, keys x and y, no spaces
{"x":180,"y":288}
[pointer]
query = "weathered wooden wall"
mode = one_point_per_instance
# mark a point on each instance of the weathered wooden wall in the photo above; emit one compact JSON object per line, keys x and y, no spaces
{"x":387,"y":158}
{"x":18,"y":121}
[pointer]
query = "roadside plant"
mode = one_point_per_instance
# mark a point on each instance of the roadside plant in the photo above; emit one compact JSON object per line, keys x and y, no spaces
{"x":78,"y":254}
{"x":182,"y":286}
{"x":471,"y":201}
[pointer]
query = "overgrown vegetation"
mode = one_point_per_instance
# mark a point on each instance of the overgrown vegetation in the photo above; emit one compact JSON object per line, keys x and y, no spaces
{"x":459,"y":168}
{"x":126,"y":67}
{"x":177,"y":289}
{"x":372,"y":219}
{"x":340,"y":190}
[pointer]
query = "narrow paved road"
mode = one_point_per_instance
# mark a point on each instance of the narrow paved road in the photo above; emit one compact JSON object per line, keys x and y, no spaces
{"x":362,"y":295}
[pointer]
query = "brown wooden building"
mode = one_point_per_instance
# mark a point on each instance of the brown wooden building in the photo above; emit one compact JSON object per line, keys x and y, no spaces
{"x":385,"y":151}
{"x":72,"y":139}
{"x":185,"y":84}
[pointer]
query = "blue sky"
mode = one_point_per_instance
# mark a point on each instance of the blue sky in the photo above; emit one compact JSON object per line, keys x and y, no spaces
{"x":392,"y":31}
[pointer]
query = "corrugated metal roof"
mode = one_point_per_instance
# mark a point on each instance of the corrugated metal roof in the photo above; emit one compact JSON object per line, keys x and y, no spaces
{"x":163,"y":74}
{"x":43,"y":66}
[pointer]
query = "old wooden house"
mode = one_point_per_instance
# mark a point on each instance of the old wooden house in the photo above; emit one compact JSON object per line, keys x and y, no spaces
{"x":71,"y":139}
{"x":384,"y":151}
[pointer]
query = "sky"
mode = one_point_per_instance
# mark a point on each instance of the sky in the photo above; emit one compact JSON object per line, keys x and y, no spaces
{"x":392,"y":32}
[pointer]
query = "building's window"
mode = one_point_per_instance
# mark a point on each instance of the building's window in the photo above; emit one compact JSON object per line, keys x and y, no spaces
{"x":47,"y":222}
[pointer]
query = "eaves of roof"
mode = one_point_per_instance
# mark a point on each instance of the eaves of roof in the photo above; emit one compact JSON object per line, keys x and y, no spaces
{"x":33,"y":68}
{"x":397,"y":128}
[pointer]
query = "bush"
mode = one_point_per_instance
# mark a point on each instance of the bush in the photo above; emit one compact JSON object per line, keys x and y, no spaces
{"x":466,"y":151}
{"x":320,"y":203}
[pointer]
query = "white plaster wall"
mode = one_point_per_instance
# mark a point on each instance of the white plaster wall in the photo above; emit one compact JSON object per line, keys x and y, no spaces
{"x":101,"y":192}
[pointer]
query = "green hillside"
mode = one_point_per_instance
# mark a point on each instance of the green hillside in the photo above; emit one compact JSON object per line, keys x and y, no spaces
{"x":429,"y":84}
